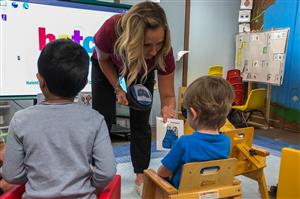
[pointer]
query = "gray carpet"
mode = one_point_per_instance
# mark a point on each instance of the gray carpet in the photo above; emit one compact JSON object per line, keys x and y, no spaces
{"x":250,"y":187}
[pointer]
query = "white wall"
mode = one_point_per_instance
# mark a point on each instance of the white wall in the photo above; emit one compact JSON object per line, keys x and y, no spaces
{"x":213,"y":26}
{"x":175,"y":11}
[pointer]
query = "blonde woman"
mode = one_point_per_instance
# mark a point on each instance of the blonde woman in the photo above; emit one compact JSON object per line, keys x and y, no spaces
{"x":134,"y":45}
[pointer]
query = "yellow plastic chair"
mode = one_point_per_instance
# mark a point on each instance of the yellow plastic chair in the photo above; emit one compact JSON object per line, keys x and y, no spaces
{"x":215,"y":70}
{"x":255,"y":103}
{"x":289,"y":175}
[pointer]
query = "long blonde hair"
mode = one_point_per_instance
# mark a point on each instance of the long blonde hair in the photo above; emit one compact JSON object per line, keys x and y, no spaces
{"x":131,"y":29}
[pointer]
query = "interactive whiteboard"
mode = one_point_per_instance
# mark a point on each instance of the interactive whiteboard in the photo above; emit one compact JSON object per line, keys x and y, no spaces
{"x":27,"y":26}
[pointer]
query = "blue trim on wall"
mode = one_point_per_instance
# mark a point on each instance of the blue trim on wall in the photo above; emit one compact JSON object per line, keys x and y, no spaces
{"x":284,"y":14}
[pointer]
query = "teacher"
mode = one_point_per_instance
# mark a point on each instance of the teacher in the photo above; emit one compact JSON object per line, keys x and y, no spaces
{"x":134,"y":45}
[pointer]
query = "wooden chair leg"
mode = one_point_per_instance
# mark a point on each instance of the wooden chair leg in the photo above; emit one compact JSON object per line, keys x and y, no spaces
{"x":262,"y":184}
{"x":258,"y":175}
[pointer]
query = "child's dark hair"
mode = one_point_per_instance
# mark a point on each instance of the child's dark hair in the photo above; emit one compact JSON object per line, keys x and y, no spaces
{"x":64,"y":65}
{"x":211,"y":97}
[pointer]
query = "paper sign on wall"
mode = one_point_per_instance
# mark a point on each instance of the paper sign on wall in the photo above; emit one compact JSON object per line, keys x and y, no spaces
{"x":244,"y":16}
{"x":261,"y":56}
{"x":246,"y":4}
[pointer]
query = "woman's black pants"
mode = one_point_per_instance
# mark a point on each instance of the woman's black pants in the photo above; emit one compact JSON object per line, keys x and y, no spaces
{"x":104,"y":101}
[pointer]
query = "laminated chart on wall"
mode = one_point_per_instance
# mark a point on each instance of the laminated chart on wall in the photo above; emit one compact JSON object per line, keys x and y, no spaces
{"x":260,"y":56}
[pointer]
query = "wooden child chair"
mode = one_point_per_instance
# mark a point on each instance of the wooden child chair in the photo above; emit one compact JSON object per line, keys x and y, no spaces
{"x":210,"y":179}
{"x":111,"y":191}
{"x":251,"y":160}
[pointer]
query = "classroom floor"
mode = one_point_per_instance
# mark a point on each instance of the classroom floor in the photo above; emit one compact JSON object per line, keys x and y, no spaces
{"x":285,"y":135}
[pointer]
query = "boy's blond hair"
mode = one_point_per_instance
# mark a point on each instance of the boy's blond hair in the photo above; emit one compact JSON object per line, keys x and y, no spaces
{"x":212,"y":98}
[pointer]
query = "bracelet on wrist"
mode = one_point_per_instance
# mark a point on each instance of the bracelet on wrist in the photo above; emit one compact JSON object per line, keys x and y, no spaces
{"x":117,"y":88}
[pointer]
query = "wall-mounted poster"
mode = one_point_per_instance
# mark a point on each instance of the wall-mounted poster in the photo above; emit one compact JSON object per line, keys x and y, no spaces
{"x":246,"y":4}
{"x":260,"y":56}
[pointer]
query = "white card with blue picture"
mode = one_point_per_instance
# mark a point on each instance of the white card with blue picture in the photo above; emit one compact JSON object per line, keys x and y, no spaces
{"x":167,"y":133}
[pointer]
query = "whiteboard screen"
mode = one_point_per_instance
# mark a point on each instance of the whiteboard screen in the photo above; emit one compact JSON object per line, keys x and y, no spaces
{"x":26,"y":27}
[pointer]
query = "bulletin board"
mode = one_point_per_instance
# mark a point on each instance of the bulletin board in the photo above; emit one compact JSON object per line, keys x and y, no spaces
{"x":260,"y":56}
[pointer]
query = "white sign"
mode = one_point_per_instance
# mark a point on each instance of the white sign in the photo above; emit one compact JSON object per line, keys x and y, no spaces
{"x":246,"y":4}
{"x":244,"y":27}
{"x":167,"y":133}
{"x":244,"y":16}
{"x":261,"y":56}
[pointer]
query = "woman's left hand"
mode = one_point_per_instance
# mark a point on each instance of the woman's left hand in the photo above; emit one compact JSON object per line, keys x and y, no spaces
{"x":167,"y":112}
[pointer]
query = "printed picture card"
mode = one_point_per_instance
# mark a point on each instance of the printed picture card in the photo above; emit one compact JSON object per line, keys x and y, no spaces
{"x":167,"y":133}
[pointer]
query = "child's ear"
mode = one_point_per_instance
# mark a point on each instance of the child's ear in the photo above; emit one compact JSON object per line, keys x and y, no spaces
{"x":42,"y":81}
{"x":194,"y":113}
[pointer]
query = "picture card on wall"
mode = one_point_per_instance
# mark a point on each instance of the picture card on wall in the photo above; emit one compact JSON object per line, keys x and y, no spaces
{"x":246,"y":4}
{"x":244,"y":16}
